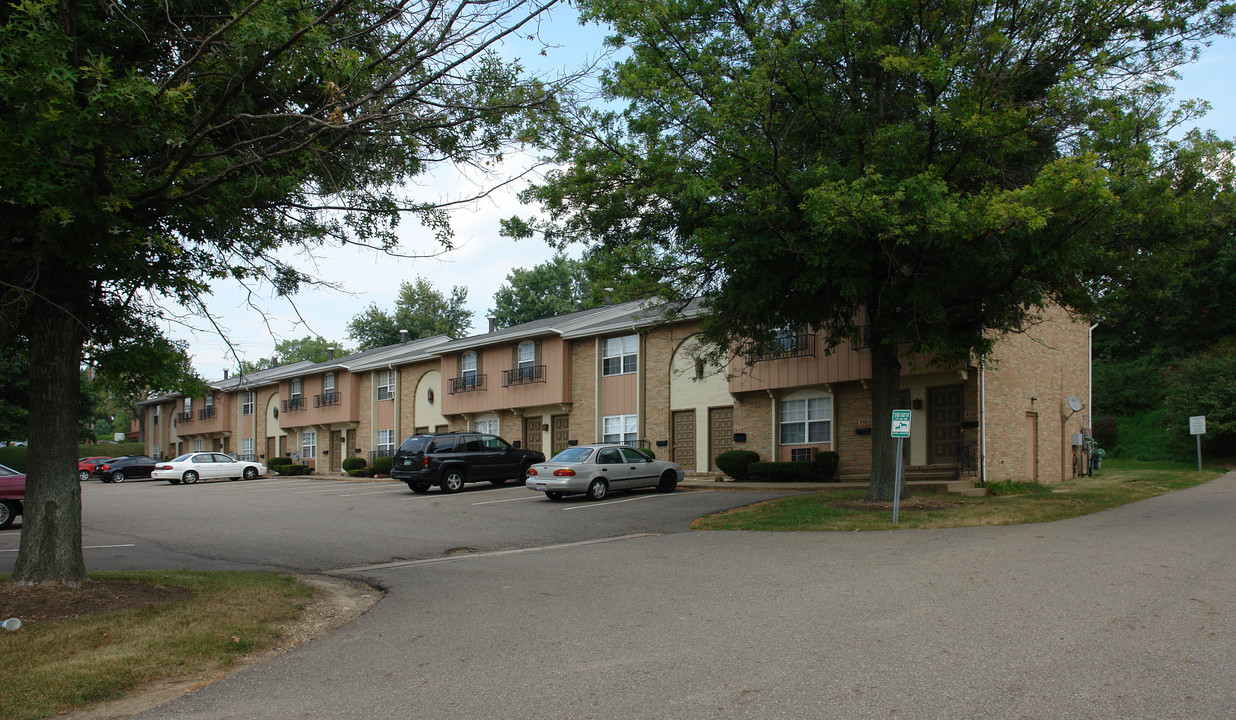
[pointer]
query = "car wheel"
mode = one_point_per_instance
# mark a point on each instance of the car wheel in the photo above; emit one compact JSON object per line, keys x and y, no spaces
{"x":190,"y":477}
{"x":83,"y":475}
{"x":452,"y":481}
{"x":421,"y":487}
{"x":498,"y":481}
{"x":553,"y":494}
{"x":117,"y":476}
{"x":668,"y":482}
{"x":250,"y":473}
{"x":8,"y":512}
{"x":598,"y":489}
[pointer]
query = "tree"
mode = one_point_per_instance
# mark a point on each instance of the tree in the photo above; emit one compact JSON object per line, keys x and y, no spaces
{"x":554,"y":287}
{"x":420,"y":309}
{"x":316,"y":349}
{"x":915,"y":177}
{"x":148,"y":150}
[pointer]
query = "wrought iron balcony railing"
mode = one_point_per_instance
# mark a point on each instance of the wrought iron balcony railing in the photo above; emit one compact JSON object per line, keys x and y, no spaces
{"x":294,"y":404}
{"x":801,"y":345}
{"x":183,"y":417}
{"x":206,"y":413}
{"x":524,"y":375}
{"x":327,"y":399}
{"x":467,"y":383}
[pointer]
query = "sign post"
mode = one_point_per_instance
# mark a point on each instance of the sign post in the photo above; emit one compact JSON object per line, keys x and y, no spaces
{"x":901,"y":431}
{"x":1197,"y":428}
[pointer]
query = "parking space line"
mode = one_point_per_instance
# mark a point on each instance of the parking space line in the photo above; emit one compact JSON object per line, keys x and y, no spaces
{"x":85,"y":547}
{"x":632,"y":499}
{"x":496,"y":553}
{"x":378,"y":492}
{"x":518,"y":499}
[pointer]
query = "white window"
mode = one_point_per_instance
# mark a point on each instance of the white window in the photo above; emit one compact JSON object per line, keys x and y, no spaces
{"x":308,"y":444}
{"x":620,"y":428}
{"x":328,"y":383}
{"x":386,"y":443}
{"x":526,"y":360}
{"x":386,"y":385}
{"x":294,"y":388}
{"x":188,"y":405}
{"x":806,"y":420}
{"x":467,"y":366}
{"x":197,"y":444}
{"x":246,"y":449}
{"x":246,"y":405}
{"x":620,"y":355}
{"x":156,"y":415}
{"x":489,"y":426}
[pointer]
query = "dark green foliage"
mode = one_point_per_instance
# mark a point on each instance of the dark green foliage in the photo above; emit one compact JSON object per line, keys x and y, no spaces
{"x":291,"y":469}
{"x":383,"y":465}
{"x":1106,"y":432}
{"x":826,"y":465}
{"x":800,"y":471}
{"x":276,"y":462}
{"x":1126,"y":387}
{"x":361,"y":472}
{"x":353,"y":463}
{"x":734,"y":462}
{"x":421,"y":309}
{"x":1204,"y":385}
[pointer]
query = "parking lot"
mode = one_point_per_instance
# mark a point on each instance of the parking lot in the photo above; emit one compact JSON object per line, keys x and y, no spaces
{"x":318,"y":524}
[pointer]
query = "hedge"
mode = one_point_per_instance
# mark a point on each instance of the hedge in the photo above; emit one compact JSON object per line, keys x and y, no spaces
{"x":291,"y":469}
{"x":826,"y":465}
{"x":800,"y":471}
{"x":736,"y":462}
{"x":277,"y":461}
{"x":361,"y":472}
{"x":353,"y":463}
{"x":383,"y":465}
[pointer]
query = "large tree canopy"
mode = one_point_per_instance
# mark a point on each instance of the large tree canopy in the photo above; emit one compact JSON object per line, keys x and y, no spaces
{"x":149,"y":149}
{"x":421,"y":310}
{"x":917,"y":176}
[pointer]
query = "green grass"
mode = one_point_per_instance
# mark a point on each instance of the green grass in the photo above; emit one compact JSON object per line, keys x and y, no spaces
{"x":1119,"y":482}
{"x":49,"y":667}
{"x":15,"y":457}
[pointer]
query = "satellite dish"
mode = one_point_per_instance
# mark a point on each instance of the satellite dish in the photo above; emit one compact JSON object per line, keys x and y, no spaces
{"x":1075,"y":403}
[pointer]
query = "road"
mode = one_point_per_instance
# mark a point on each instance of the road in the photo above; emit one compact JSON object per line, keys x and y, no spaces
{"x":1122,"y":614}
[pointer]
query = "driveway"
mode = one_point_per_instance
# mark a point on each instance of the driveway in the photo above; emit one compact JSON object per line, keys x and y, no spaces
{"x":1123,"y":614}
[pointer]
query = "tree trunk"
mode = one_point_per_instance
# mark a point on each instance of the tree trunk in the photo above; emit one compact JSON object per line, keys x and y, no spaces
{"x":885,"y":387}
{"x":51,"y":535}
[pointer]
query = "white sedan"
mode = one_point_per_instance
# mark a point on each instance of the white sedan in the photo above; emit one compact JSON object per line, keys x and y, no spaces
{"x":596,"y":469}
{"x":191,"y":467}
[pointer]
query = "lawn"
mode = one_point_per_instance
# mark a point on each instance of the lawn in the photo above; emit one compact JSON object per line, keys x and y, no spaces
{"x":1118,"y":483}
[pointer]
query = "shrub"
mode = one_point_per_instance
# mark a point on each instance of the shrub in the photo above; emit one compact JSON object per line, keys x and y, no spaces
{"x":353,"y":463}
{"x":383,"y":465}
{"x":292,"y":469}
{"x":799,"y":471}
{"x":275,"y":462}
{"x":1106,"y":432}
{"x":826,"y":465}
{"x":734,"y":463}
{"x":361,"y":472}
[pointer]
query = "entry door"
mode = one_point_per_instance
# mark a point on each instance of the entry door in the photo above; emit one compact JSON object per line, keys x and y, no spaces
{"x":336,"y":454}
{"x":532,"y":433}
{"x":560,"y":426}
{"x":1032,"y":447}
{"x":720,"y":433}
{"x":684,"y":439}
{"x":944,"y":406}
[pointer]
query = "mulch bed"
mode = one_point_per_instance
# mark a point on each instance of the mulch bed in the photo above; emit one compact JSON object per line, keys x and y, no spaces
{"x":49,"y":602}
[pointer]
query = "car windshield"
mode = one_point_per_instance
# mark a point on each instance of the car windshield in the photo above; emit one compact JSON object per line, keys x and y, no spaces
{"x":572,"y":455}
{"x":7,"y":471}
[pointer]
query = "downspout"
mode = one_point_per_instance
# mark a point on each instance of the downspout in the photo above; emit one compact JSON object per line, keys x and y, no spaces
{"x":1090,"y":373}
{"x":772,"y":423}
{"x":983,"y":426}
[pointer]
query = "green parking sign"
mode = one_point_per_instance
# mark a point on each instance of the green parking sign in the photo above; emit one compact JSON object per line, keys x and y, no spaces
{"x":901,"y":423}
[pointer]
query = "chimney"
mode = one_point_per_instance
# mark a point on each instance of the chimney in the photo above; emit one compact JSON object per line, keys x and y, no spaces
{"x":403,"y":336}
{"x":493,"y":322}
{"x":274,"y":361}
{"x":330,"y":353}
{"x":609,"y":300}
{"x":225,"y":373}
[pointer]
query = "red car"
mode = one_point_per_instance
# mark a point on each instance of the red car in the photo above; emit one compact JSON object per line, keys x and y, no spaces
{"x":12,"y":493}
{"x":85,"y":466}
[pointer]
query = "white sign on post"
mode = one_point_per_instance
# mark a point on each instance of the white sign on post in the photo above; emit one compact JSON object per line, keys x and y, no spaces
{"x":901,"y":423}
{"x":1197,"y":425}
{"x":901,"y":431}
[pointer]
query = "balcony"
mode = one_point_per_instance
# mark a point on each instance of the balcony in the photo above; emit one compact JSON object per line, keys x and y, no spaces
{"x":327,"y":399}
{"x":467,"y":383}
{"x":183,"y":417}
{"x":792,"y":346}
{"x":523,"y":375}
{"x":293,"y":404}
{"x":206,"y":413}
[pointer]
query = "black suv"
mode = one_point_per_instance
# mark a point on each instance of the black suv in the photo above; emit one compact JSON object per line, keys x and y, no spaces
{"x":449,"y":460}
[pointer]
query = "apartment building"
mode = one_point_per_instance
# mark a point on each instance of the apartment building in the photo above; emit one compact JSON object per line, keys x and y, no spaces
{"x":626,"y":373}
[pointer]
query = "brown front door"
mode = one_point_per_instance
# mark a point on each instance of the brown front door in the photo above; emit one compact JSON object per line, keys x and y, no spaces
{"x":532,"y":433}
{"x":683,"y":451}
{"x":944,"y":423}
{"x":336,"y":451}
{"x":560,"y":426}
{"x":720,"y":433}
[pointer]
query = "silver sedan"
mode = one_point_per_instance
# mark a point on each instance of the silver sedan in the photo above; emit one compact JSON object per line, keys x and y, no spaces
{"x":595,"y":470}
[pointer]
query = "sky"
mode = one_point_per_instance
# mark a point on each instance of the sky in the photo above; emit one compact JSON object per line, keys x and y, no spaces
{"x":481,"y":259}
